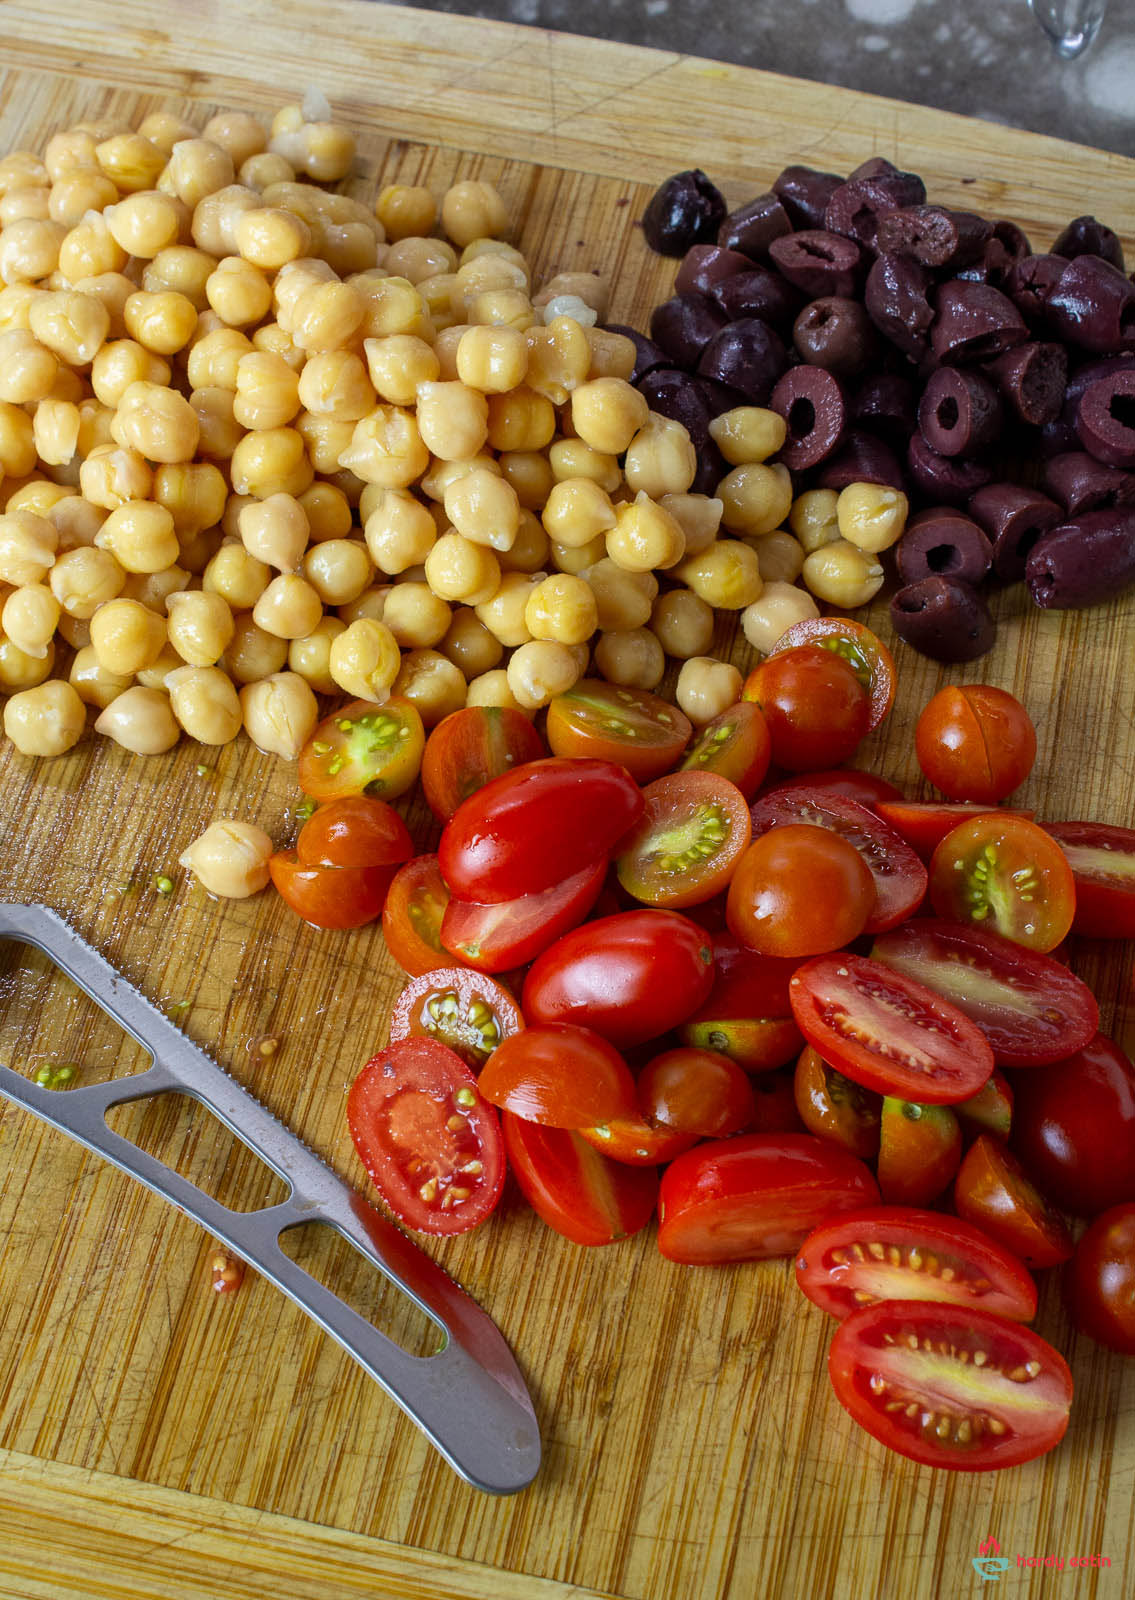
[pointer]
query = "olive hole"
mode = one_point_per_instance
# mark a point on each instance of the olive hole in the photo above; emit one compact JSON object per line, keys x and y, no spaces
{"x":947,"y":413}
{"x":1122,"y":408}
{"x":801,"y":417}
{"x":943,"y":558}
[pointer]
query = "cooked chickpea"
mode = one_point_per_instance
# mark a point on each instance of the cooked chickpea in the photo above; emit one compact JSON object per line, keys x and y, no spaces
{"x":19,"y":671}
{"x":262,"y":170}
{"x":144,"y":223}
{"x":238,"y":292}
{"x":164,"y":129}
{"x":338,"y":570}
{"x":470,"y":645}
{"x":219,"y":433}
{"x":318,"y":148}
{"x":491,"y":688}
{"x":577,"y":511}
{"x":780,"y":607}
{"x":435,"y":483}
{"x":365,"y":659}
{"x":205,"y":703}
{"x":271,"y":461}
{"x":632,"y":658}
{"x":237,"y":576}
{"x":47,"y":720}
{"x":540,"y":670}
{"x":531,"y":550}
{"x":327,"y":316}
{"x":27,"y":547}
{"x":405,"y":210}
{"x":15,"y":307}
{"x":492,"y":359}
{"x":124,"y":362}
{"x":163,"y":322}
{"x":71,"y":325}
{"x":200,"y":626}
{"x":280,"y":713}
{"x":325,"y":440}
{"x":69,"y":151}
{"x":328,"y":512}
{"x":242,"y":135}
{"x":84,"y":579}
{"x":484,"y":508}
{"x":595,"y":293}
{"x":311,"y":657}
{"x":275,"y":531}
{"x":871,"y":515}
{"x":683,"y":623}
{"x":126,"y":636}
{"x":563,"y":608}
{"x":157,"y":422}
{"x":755,"y":498}
{"x":623,"y":599}
{"x":28,"y":371}
{"x":88,"y":251}
{"x":17,"y":442}
{"x":21,"y":169}
{"x":55,"y":428}
{"x":29,"y":618}
{"x":726,"y":574}
{"x":371,"y":603}
{"x":843,"y":575}
{"x":130,"y":161}
{"x":399,"y":531}
{"x":645,"y":538}
{"x":392,"y":306}
{"x":748,"y":433}
{"x":613,"y":355}
{"x":608,"y":413}
{"x":503,"y":613}
{"x":289,"y":607}
{"x":530,"y":475}
{"x":387,"y":448}
{"x":416,"y":259}
{"x":214,"y":361}
{"x":473,"y":210}
{"x":267,"y":391}
{"x":74,"y":195}
{"x":194,"y":169}
{"x":140,"y":535}
{"x":572,"y":458}
{"x":661,"y":458}
{"x":559,"y":358}
{"x":29,"y":250}
{"x":181,"y":269}
{"x":153,"y":589}
{"x":432,"y":683}
{"x":94,"y":685}
{"x":253,"y":653}
{"x":77,"y":521}
{"x":459,"y":570}
{"x":230,"y":859}
{"x":780,"y":556}
{"x":416,"y":616}
{"x":397,"y":364}
{"x":335,"y":383}
{"x":216,"y":216}
{"x":112,"y":476}
{"x":112,"y":289}
{"x":706,"y":688}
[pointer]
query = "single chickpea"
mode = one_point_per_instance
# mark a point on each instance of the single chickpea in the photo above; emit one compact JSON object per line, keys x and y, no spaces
{"x":392,"y":306}
{"x":164,"y":129}
{"x":632,"y":659}
{"x":311,"y":657}
{"x":588,"y":287}
{"x":194,"y":493}
{"x":520,"y":420}
{"x":416,"y":259}
{"x":755,"y":498}
{"x":75,"y":194}
{"x":399,"y":531}
{"x":365,"y":659}
{"x":112,"y":289}
{"x":112,"y":476}
{"x":147,"y":222}
{"x":55,"y":428}
{"x":748,"y":433}
{"x":15,"y":307}
{"x":416,"y":616}
{"x":437,"y":303}
{"x":215,"y":218}
{"x":280,"y":714}
{"x":214,"y":361}
{"x":200,"y":626}
{"x":122,"y":363}
{"x":338,"y":570}
{"x":275,"y":531}
{"x":661,"y":458}
{"x":683,"y":623}
{"x":238,"y":577}
{"x":21,"y":169}
{"x":471,"y":647}
{"x":398,"y":365}
{"x":871,"y":515}
{"x":271,"y":461}
{"x":473,"y":210}
{"x":69,"y":151}
{"x":622,"y":599}
{"x":436,"y":482}
{"x":841,"y":574}
{"x":130,"y":161}
{"x":181,"y":269}
{"x":141,"y":537}
{"x":71,"y":325}
{"x":328,"y":512}
{"x":27,"y":547}
{"x":607,"y":414}
{"x":431,"y":682}
{"x":28,"y":371}
{"x":242,"y":135}
{"x":238,"y":292}
{"x":572,"y":458}
{"x":405,"y":210}
{"x":84,"y":579}
{"x":29,"y":617}
{"x":253,"y":653}
{"x":163,"y":322}
{"x":503,"y":613}
{"x":491,"y":688}
{"x":706,"y":688}
{"x":561,"y":607}
{"x":370,"y":605}
{"x":77,"y":522}
{"x":780,"y":556}
{"x":205,"y":703}
{"x":289,"y":607}
{"x":540,"y":670}
{"x":159,"y":423}
{"x":267,"y":391}
{"x":492,"y":359}
{"x":458,"y":570}
{"x":230,"y":859}
{"x":126,"y":636}
{"x":387,"y":448}
{"x":445,"y":346}
{"x":263,"y":169}
{"x":325,"y":440}
{"x":559,"y":358}
{"x":726,"y":574}
{"x":698,"y":515}
{"x":20,"y":671}
{"x":327,"y":316}
{"x":320,"y":149}
{"x":153,"y":589}
{"x":219,"y":433}
{"x":196,"y":168}
{"x":532,"y":548}
{"x":645,"y":537}
{"x":47,"y":720}
{"x":90,"y":680}
{"x":335,"y":383}
{"x":577,"y":511}
{"x":29,"y":250}
{"x":530,"y":475}
{"x":613,"y":355}
{"x":88,"y":250}
{"x":780,"y":607}
{"x":484,"y":508}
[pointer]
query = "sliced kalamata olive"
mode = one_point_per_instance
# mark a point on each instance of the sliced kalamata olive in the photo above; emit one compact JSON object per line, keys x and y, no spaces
{"x":1012,"y":238}
{"x":861,"y":458}
{"x":804,"y":193}
{"x":835,"y":333}
{"x":934,"y":236}
{"x":703,"y":265}
{"x":948,"y":479}
{"x":1084,"y":561}
{"x":719,"y":397}
{"x":1105,"y":419}
{"x":960,"y":413}
{"x":1032,"y":379}
{"x":1084,"y":236}
{"x":974,"y":322}
{"x":1081,"y":483}
{"x":873,"y":167}
{"x":712,"y":467}
{"x":746,"y":355}
{"x":677,"y":395}
{"x":820,"y":262}
{"x":942,"y":542}
{"x":1014,"y":518}
{"x":687,"y":209}
{"x":1031,"y":283}
{"x":857,"y":205}
{"x":752,"y":227}
{"x":684,"y":325}
{"x":813,"y":405}
{"x":944,"y":619}
{"x":887,"y":403}
{"x":760,"y":293}
{"x":648,"y":355}
{"x":896,"y":298}
{"x":1093,"y":306}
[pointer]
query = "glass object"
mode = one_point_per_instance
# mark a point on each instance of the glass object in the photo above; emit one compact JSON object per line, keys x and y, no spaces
{"x":1070,"y":24}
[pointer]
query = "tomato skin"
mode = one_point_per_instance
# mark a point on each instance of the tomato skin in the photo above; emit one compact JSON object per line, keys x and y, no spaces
{"x":1074,"y":1128}
{"x":355,"y":831}
{"x":920,"y":1150}
{"x":863,"y":651}
{"x":1102,"y":859}
{"x":411,"y":916}
{"x":975,"y":742}
{"x":799,"y":890}
{"x":401,"y":1110}
{"x":887,"y":1032}
{"x":816,"y":709}
{"x":464,"y":1010}
{"x":837,"y":1266}
{"x":1099,"y":1281}
{"x":747,"y":1016}
{"x":865,"y":788}
{"x":735,"y":745}
{"x":695,"y":1091}
{"x":631,"y":977}
{"x":993,"y":1192}
{"x":1030,"y":1007}
{"x":471,"y":746}
{"x":559,"y":1075}
{"x":330,"y":897}
{"x":573,"y":1188}
{"x":611,"y":722}
{"x":989,"y":1111}
{"x":536,"y":825}
{"x":835,"y":1108}
{"x":1008,"y":875}
{"x":895,"y":1347}
{"x":364,"y":749}
{"x":774,"y":1104}
{"x":510,"y":933}
{"x":924,"y":824}
{"x":694,"y":829}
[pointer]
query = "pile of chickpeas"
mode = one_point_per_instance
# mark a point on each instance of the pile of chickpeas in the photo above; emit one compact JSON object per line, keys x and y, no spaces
{"x":260,"y":441}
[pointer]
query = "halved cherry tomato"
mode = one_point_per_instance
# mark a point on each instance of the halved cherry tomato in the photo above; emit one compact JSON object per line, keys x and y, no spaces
{"x":431,"y":1144}
{"x":559,"y":1075}
{"x":695,"y":1091}
{"x":467,"y":1011}
{"x":1100,"y":1281}
{"x":638,"y":1143}
{"x":950,"y":1385}
{"x":748,"y":1016}
{"x":1075,"y":1128}
{"x":993,"y":1192}
{"x":990,"y":1110}
{"x":816,"y":709}
{"x":411,"y":917}
{"x":902,"y":1253}
{"x":754,"y":1196}
{"x":865,"y":788}
{"x":470,"y":747}
{"x":364,"y":749}
{"x":869,"y":657}
{"x":573,"y":1188}
{"x":535,"y":826}
{"x":975,"y":742}
{"x":1029,"y":1007}
{"x":799,"y":890}
{"x":631,"y":977}
{"x":920,"y":1150}
{"x":735,"y":745}
{"x":1009,"y":876}
{"x":495,"y":938}
{"x":887,"y":1032}
{"x":835,"y":1108}
{"x":925,"y":823}
{"x":611,"y":722}
{"x":690,"y":837}
{"x":331,"y":897}
{"x":355,"y":831}
{"x":900,"y":878}
{"x":1102,"y":859}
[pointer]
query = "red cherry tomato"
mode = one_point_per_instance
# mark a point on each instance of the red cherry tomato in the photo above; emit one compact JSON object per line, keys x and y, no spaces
{"x":430,"y":1142}
{"x":411,"y":916}
{"x":331,"y":897}
{"x":560,"y":1075}
{"x":1102,"y":859}
{"x":1007,"y":875}
{"x":747,"y":1016}
{"x":774,"y":1104}
{"x":510,"y":933}
{"x":975,"y":742}
{"x":866,"y":654}
{"x":1100,"y":1281}
{"x":924,"y":824}
{"x":887,"y":1032}
{"x":631,"y":977}
{"x":835,"y":1108}
{"x":816,"y":709}
{"x":470,"y":747}
{"x":920,"y":1149}
{"x":865,"y":788}
{"x":573,"y":1188}
{"x":611,"y":722}
{"x":364,"y":749}
{"x":939,"y":1384}
{"x":535,"y":826}
{"x":900,"y":878}
{"x":467,"y":1011}
{"x":355,"y":831}
{"x":695,"y":1091}
{"x":1029,"y":1006}
{"x":993,"y":1192}
{"x":690,"y":837}
{"x":901,"y":1253}
{"x":799,"y":890}
{"x":755,"y":1196}
{"x":735,"y":745}
{"x":1074,"y":1128}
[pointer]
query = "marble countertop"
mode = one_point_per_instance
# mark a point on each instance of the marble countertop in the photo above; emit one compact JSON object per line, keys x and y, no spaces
{"x":983,"y":58}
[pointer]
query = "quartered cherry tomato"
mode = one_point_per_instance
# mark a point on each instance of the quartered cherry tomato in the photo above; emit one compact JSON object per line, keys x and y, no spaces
{"x":975,"y":742}
{"x":887,"y":1032}
{"x":748,"y":1016}
{"x":835,"y":1108}
{"x":799,"y":890}
{"x":925,"y":823}
{"x":559,"y":1075}
{"x":993,"y":1192}
{"x":1007,"y":875}
{"x":573,"y":1188}
{"x":816,"y":709}
{"x":411,"y":916}
{"x":364,"y":749}
{"x":431,"y":1144}
{"x":950,"y":1385}
{"x":866,"y":654}
{"x":735,"y":745}
{"x":990,"y":1110}
{"x":920,"y":1149}
{"x":902,"y":1253}
{"x":611,"y":722}
{"x":695,"y":1091}
{"x":1102,"y":859}
{"x":470,"y":747}
{"x":510,"y":933}
{"x":1100,"y":1281}
{"x":685,"y":846}
{"x":466,"y":1010}
{"x":1075,"y":1128}
{"x":331,"y":897}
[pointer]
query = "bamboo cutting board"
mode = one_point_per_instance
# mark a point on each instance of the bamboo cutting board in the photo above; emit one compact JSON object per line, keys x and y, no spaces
{"x":165,"y":1443}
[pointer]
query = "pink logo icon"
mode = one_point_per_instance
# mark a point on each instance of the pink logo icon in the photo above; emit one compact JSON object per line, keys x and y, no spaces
{"x":989,"y":1547}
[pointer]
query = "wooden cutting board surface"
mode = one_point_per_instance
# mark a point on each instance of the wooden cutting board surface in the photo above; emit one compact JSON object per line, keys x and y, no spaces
{"x":161,"y":1441}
